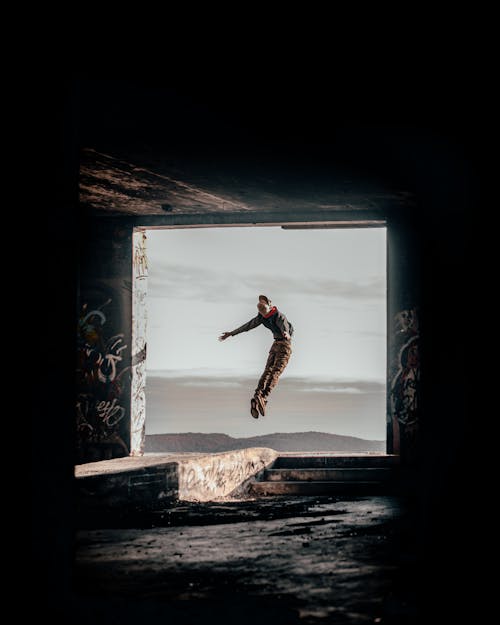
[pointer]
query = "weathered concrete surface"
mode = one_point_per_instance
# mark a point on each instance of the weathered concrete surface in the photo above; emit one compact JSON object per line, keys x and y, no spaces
{"x":326,"y":475}
{"x":135,"y":484}
{"x":127,"y":491}
{"x":128,"y":183}
{"x":316,"y":488}
{"x":279,"y":561}
{"x":317,"y":474}
{"x":321,"y":459}
{"x":212,"y":476}
{"x":129,"y":463}
{"x":272,"y":488}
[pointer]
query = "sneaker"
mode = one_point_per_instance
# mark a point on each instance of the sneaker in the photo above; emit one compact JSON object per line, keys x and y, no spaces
{"x":261,"y":404}
{"x":253,"y":408}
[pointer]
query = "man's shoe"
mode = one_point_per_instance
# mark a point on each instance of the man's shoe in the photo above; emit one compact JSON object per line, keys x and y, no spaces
{"x":253,"y":408}
{"x":261,"y":404}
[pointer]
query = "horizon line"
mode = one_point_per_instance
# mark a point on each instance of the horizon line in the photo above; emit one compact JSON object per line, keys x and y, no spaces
{"x":372,"y":440}
{"x":229,"y":373}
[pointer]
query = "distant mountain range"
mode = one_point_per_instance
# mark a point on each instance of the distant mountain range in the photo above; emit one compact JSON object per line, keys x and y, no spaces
{"x":294,"y":441}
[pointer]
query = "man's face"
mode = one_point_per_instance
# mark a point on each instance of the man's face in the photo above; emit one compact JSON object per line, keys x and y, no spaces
{"x":263,"y":307}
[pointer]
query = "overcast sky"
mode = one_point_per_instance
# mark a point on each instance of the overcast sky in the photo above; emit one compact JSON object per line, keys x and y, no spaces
{"x":331,"y":284}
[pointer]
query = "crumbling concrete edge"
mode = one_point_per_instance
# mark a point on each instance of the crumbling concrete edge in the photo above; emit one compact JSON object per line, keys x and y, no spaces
{"x":222,"y":475}
{"x":136,"y":485}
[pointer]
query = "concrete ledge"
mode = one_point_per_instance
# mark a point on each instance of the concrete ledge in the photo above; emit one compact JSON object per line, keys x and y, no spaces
{"x":213,"y":476}
{"x":149,"y":482}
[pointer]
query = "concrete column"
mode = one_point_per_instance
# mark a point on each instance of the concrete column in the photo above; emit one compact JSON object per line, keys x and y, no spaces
{"x":104,"y":341}
{"x":403,"y":336}
{"x":139,"y":328}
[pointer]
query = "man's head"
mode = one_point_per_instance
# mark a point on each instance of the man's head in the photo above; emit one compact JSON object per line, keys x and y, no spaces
{"x":264,"y":305}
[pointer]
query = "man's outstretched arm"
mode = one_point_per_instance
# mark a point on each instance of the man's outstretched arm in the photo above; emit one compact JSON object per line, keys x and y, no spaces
{"x":253,"y":323}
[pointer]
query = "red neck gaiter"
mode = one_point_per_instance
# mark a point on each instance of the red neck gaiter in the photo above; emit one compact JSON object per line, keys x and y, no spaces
{"x":270,"y":313}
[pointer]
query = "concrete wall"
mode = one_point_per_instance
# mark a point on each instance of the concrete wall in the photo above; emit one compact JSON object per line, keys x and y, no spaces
{"x":104,"y":342}
{"x":123,"y":492}
{"x":132,"y":484}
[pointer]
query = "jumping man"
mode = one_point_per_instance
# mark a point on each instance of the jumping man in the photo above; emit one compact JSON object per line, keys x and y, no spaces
{"x":279,"y":354}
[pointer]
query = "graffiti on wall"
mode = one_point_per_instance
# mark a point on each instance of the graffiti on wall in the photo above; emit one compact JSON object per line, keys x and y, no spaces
{"x":212,"y":477}
{"x":139,"y":327}
{"x":405,"y":381}
{"x":100,"y":370}
{"x":216,"y":476}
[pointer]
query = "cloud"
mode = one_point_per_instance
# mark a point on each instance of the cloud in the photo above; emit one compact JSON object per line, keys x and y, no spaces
{"x":349,"y":407}
{"x":181,"y":281}
{"x":199,"y":373}
{"x":370,"y":288}
{"x":363,"y":333}
{"x":210,"y":383}
{"x":313,"y":384}
{"x":324,"y":385}
{"x":350,"y":390}
{"x":186,"y":282}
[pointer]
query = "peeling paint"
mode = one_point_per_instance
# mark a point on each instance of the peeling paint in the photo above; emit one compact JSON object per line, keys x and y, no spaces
{"x":215,"y":476}
{"x":139,"y":347}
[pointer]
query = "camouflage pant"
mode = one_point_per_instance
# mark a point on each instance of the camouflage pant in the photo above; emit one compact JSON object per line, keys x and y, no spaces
{"x":278,"y":358}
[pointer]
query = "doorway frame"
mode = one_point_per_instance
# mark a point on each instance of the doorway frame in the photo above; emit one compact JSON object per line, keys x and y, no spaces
{"x":299,"y":220}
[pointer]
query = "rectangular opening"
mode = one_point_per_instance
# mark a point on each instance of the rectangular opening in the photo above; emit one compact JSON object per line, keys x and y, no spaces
{"x":330,"y":280}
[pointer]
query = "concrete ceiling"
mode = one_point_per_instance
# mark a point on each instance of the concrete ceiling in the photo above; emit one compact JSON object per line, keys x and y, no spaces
{"x":147,"y":150}
{"x":117,"y":183}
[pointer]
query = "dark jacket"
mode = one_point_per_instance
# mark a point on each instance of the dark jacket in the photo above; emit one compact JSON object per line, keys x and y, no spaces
{"x":274,"y":320}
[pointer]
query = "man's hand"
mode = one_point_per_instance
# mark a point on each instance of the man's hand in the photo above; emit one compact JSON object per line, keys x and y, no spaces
{"x":286,"y":335}
{"x":224,"y":336}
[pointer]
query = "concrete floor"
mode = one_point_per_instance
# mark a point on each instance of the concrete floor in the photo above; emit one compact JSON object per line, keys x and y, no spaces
{"x":306,"y":560}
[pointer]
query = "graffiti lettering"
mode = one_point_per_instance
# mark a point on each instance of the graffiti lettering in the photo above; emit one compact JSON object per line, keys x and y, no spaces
{"x":99,"y":369}
{"x":405,"y":385}
{"x":404,"y":395}
{"x":110,"y":412}
{"x":82,"y":413}
{"x":108,"y":362}
{"x":407,"y":321}
{"x":219,"y":476}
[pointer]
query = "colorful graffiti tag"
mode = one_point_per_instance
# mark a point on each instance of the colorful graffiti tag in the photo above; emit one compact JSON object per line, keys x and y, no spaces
{"x":99,"y":381}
